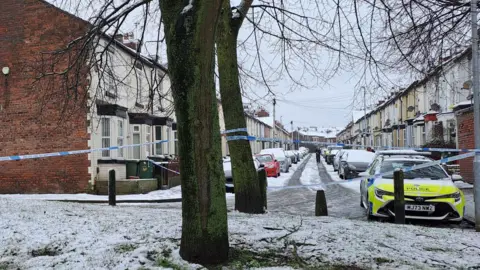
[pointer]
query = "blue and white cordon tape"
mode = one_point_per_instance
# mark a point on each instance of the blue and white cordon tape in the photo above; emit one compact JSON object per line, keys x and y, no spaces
{"x":229,"y":138}
{"x":378,"y":175}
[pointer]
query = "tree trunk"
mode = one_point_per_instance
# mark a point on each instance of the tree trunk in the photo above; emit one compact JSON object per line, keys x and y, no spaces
{"x":190,"y":38}
{"x":247,"y":190}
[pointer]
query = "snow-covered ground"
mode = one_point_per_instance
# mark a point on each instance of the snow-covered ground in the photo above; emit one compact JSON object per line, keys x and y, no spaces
{"x":38,"y":234}
{"x":175,"y":192}
{"x":310,"y":175}
{"x":353,"y":185}
{"x":282,"y":180}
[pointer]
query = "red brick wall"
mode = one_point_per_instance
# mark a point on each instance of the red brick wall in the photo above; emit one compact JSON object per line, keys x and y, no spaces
{"x":31,"y":113}
{"x":466,"y":139}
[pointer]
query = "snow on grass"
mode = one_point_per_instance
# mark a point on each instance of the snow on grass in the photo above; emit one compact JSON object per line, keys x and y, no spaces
{"x":353,"y":185}
{"x":310,"y":175}
{"x":45,"y":235}
{"x":283,"y":179}
{"x":172,"y":193}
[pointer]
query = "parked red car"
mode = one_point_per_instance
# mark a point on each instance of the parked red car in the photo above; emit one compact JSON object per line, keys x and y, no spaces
{"x":272,"y":166}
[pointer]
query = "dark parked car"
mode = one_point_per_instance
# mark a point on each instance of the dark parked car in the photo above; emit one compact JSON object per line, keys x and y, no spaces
{"x":354,"y":162}
{"x":330,"y":156}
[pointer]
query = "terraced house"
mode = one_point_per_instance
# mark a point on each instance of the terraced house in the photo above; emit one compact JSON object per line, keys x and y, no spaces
{"x":426,"y":113}
{"x":118,"y":97}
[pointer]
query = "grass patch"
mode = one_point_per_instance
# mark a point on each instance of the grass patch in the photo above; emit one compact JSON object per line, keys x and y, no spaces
{"x":245,"y":259}
{"x":45,"y":251}
{"x":380,"y":260}
{"x":167,"y":263}
{"x":123,"y":248}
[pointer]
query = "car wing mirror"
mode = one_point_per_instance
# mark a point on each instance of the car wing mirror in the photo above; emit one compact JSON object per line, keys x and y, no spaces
{"x":456,"y":177}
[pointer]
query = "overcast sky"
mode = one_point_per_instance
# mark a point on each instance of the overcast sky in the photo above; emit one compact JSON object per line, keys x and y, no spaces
{"x":328,"y":98}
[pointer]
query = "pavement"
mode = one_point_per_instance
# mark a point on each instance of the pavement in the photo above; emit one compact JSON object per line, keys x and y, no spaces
{"x":469,"y":215}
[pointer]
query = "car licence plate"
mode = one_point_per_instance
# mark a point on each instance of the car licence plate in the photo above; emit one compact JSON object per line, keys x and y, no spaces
{"x":420,"y":208}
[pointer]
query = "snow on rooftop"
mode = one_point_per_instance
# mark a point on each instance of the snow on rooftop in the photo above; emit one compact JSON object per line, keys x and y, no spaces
{"x":356,"y":115}
{"x":463,"y":103}
{"x":267,"y":120}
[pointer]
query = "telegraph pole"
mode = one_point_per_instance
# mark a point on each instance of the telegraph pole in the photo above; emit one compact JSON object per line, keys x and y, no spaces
{"x":364,"y":139}
{"x":273,"y":128}
{"x":476,"y":107}
{"x":292,"y":145}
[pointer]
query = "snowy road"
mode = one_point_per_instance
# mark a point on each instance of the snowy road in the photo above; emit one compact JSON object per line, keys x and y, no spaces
{"x":341,"y":201}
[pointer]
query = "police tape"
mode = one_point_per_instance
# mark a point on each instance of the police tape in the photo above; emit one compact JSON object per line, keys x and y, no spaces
{"x":378,"y":175}
{"x":229,"y":138}
{"x":163,"y":167}
{"x":426,"y":149}
{"x":234,"y":130}
{"x":74,"y":152}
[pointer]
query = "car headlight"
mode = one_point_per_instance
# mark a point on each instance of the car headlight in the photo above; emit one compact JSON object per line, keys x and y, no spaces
{"x":457,"y":196}
{"x":380,"y":193}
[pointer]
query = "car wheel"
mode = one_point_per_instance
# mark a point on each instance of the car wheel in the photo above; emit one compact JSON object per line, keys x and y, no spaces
{"x":278,"y":174}
{"x":361,"y":200}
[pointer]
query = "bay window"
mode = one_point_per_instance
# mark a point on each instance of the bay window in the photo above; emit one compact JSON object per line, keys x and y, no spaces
{"x":105,"y":126}
{"x":158,"y":137}
{"x":120,"y":136}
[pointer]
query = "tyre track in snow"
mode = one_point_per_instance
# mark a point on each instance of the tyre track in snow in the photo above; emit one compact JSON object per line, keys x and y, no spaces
{"x":341,"y":201}
{"x":298,"y":201}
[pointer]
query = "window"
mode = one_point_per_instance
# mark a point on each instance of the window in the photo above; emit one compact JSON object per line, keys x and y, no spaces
{"x":424,"y":137}
{"x":405,"y":138}
{"x":120,"y":138}
{"x":148,"y":139}
{"x":176,"y":142}
{"x":105,"y":123}
{"x":136,"y":140}
{"x":168,"y":140}
{"x":432,"y":172}
{"x":414,"y":143}
{"x":139,"y":88}
{"x":158,"y":137}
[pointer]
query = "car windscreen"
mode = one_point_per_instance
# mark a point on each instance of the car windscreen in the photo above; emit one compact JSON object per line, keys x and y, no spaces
{"x":264,"y":158}
{"x":432,"y":172}
{"x":358,"y":156}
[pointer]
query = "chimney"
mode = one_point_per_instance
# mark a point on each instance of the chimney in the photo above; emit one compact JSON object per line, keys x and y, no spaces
{"x":262,"y":113}
{"x":119,"y":37}
{"x":131,"y":42}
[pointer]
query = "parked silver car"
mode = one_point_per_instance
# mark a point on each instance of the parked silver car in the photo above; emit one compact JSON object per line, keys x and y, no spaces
{"x":227,"y":169}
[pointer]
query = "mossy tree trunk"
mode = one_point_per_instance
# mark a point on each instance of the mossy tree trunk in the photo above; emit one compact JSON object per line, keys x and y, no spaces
{"x":190,"y":38}
{"x":248,"y":198}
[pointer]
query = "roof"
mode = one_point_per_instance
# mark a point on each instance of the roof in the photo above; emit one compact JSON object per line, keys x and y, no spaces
{"x":268,"y":120}
{"x":325,"y":132}
{"x":144,"y":59}
{"x":463,"y":104}
{"x":357,"y":115}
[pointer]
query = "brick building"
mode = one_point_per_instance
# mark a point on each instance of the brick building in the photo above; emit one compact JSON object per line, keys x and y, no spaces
{"x":28,"y":28}
{"x":465,"y":137}
{"x":44,"y":116}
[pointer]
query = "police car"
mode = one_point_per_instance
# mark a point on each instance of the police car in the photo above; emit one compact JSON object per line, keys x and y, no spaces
{"x":430,"y":192}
